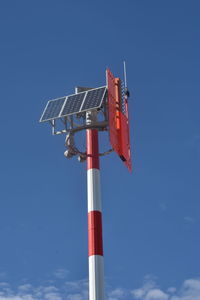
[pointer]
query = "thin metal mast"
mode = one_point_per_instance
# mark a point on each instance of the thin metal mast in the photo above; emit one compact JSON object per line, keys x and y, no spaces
{"x":95,"y":241}
{"x":125,"y":77}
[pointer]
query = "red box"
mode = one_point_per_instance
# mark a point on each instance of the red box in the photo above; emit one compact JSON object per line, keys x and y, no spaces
{"x":118,"y":121}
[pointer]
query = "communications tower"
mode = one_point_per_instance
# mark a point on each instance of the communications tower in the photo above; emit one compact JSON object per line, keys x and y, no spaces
{"x":94,"y":109}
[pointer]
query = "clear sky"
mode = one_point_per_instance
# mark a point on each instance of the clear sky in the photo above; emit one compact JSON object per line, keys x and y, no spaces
{"x":151,"y":217}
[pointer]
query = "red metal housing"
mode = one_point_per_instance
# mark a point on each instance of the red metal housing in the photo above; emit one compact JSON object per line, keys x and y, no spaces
{"x":118,"y":120}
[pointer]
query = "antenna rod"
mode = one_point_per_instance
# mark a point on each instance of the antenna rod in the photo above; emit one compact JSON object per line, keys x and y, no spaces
{"x":127,"y":94}
{"x":125,"y":78}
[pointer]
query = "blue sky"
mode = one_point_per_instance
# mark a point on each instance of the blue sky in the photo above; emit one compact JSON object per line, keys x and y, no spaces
{"x":150,"y":217}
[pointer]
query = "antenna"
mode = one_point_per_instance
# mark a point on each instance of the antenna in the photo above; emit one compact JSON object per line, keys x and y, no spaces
{"x":125,"y":81}
{"x":125,"y":77}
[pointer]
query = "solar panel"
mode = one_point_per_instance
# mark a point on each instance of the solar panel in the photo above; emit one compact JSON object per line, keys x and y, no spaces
{"x":73,"y":104}
{"x":52,"y":109}
{"x":94,"y":98}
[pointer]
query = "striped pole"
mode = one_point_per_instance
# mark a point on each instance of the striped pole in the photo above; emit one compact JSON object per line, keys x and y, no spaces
{"x":95,"y":244}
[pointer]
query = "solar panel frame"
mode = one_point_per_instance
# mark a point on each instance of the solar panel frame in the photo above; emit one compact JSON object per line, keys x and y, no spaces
{"x":61,"y":115}
{"x":72,"y":113}
{"x":46,"y":107}
{"x":100,"y":102}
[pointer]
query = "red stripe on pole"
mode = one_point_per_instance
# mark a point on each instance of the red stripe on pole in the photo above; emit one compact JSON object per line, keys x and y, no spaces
{"x":95,"y":242}
{"x":92,"y":149}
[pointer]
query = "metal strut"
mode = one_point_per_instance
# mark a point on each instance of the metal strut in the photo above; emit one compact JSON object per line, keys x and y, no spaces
{"x":72,"y":150}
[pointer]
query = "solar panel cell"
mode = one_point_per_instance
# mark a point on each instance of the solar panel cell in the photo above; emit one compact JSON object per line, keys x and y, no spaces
{"x":53,"y":109}
{"x":94,"y":99}
{"x":73,"y":104}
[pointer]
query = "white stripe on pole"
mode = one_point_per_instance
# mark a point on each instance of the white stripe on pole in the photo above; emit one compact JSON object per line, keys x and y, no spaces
{"x":96,"y":275}
{"x":94,"y":190}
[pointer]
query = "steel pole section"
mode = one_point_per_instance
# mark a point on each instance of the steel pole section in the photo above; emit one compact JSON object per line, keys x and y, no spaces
{"x":95,"y":243}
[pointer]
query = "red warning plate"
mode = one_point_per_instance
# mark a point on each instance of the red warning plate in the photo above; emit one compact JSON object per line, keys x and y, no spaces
{"x":118,"y":121}
{"x":125,"y":141}
{"x":112,"y":109}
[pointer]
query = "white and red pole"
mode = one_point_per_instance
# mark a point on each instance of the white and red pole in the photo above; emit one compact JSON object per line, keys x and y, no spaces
{"x":95,"y":241}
